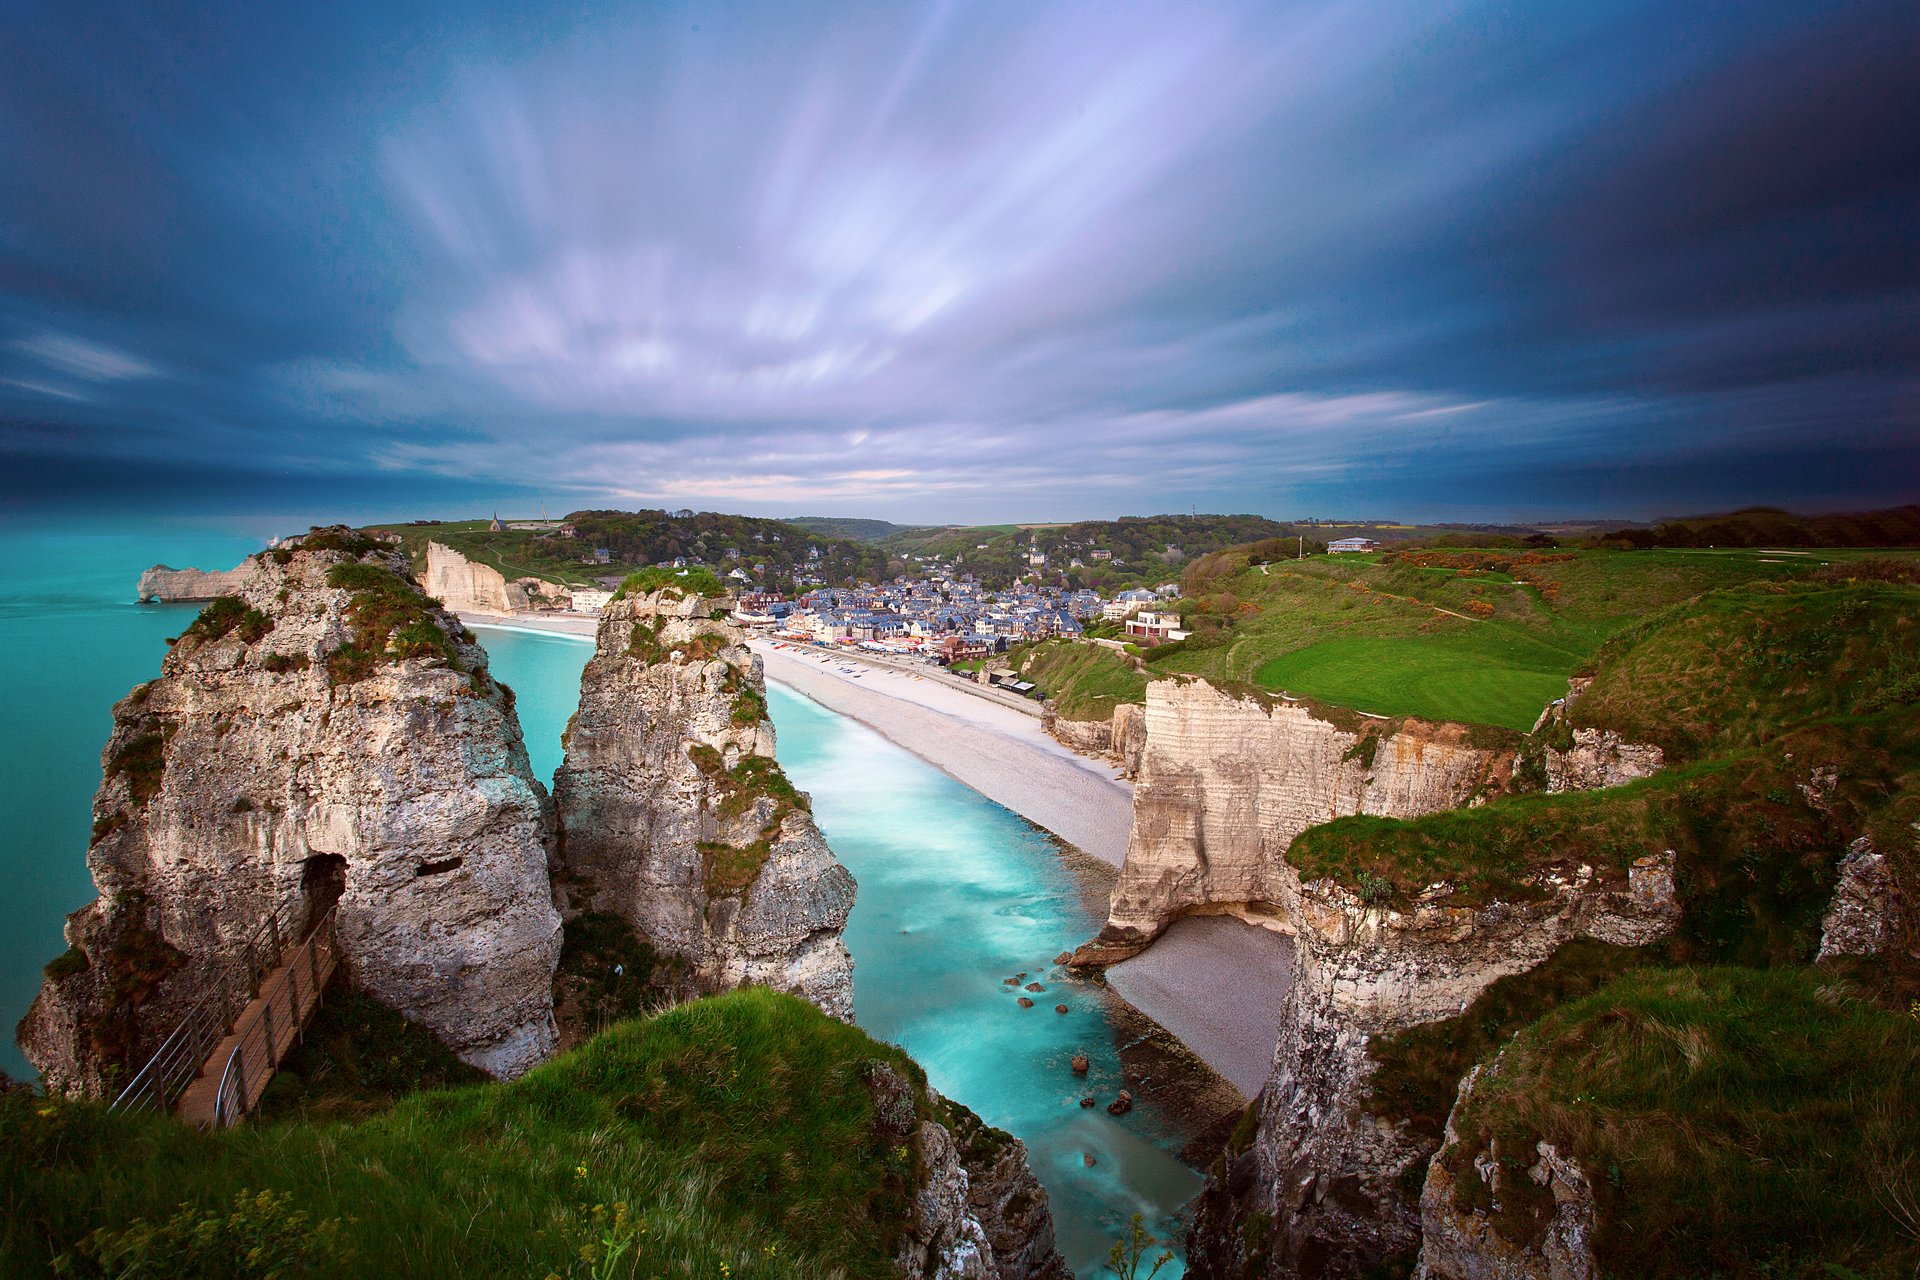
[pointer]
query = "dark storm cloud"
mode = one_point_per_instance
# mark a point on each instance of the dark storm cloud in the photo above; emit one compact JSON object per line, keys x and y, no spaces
{"x":971,"y":260}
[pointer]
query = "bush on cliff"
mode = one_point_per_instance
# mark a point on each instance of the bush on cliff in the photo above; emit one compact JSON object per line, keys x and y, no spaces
{"x":743,"y":1134}
{"x":686,"y":582}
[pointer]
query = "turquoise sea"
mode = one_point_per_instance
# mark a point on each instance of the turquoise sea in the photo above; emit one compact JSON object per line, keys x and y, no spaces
{"x":956,"y":893}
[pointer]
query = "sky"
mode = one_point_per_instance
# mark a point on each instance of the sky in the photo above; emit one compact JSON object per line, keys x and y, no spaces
{"x":961,"y":261}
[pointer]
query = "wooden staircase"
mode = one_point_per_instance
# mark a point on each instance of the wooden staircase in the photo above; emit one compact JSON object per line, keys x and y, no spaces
{"x":237,"y":1071}
{"x":212,"y":1069}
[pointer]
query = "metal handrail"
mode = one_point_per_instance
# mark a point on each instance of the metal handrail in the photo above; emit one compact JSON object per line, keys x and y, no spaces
{"x":180,"y":1057}
{"x":257,"y":1036}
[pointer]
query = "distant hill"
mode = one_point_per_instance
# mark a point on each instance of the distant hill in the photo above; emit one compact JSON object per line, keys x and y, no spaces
{"x":1112,"y":553}
{"x":850,"y":527}
{"x":637,"y":539}
{"x":1772,"y":527}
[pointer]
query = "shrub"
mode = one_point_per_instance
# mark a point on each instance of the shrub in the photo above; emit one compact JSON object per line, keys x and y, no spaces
{"x":280,"y":663}
{"x":142,"y":760}
{"x":680,"y":582}
{"x":226,"y":615}
{"x":391,"y":620}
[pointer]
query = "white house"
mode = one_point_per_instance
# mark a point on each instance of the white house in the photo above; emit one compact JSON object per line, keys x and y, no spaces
{"x":1352,"y":544}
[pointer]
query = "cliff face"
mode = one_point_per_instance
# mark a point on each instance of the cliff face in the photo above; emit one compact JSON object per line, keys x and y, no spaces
{"x":1327,"y":1182}
{"x":466,"y":587}
{"x":678,"y":819}
{"x":1122,"y":738}
{"x":193,"y":585}
{"x":1226,"y":782}
{"x":326,"y":736}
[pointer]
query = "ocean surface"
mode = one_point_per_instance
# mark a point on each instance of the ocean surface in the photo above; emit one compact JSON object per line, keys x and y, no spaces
{"x":956,"y":893}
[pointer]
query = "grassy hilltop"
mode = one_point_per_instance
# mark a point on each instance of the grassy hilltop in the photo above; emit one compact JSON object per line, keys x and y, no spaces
{"x":1487,"y":637}
{"x":746,"y":1134}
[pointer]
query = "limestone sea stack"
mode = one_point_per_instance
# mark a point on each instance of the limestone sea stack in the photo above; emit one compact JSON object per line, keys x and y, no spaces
{"x":677,"y":817}
{"x":328,"y":735}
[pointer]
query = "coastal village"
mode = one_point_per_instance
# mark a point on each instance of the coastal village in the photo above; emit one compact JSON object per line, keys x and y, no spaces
{"x":939,"y":610}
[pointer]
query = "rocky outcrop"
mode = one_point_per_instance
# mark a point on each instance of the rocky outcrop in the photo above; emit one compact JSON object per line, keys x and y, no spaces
{"x":677,"y":817}
{"x":1867,"y":916}
{"x":1121,"y":738}
{"x":1460,"y":1243}
{"x":1326,"y":1179}
{"x":327,"y":736}
{"x":183,"y":586}
{"x":1227,"y":780}
{"x":1005,"y":1198}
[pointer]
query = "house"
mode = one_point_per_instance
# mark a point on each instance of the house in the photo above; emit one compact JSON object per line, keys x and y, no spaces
{"x":1124,"y":603}
{"x":1102,"y":555}
{"x":962,"y":649}
{"x":1151,"y":627}
{"x":1352,"y":544}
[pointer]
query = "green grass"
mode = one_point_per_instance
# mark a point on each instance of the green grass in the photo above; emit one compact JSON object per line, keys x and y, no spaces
{"x":694,"y":582}
{"x":748,"y":1130}
{"x":1734,"y":1122}
{"x":1480,"y":675}
{"x":1085,"y":681}
{"x":392,"y":621}
{"x":1735,"y":667}
{"x":1480,"y":636}
{"x":1755,"y":851}
{"x":1419,"y":1069}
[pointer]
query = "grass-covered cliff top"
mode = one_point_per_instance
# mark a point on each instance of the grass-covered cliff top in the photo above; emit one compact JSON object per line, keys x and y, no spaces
{"x":688,"y":582}
{"x":745,"y":1135}
{"x":1733,"y":1122}
{"x":1738,"y":666}
{"x":1480,"y":636}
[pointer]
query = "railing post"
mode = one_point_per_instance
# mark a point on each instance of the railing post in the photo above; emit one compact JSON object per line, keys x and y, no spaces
{"x":266,"y":1014}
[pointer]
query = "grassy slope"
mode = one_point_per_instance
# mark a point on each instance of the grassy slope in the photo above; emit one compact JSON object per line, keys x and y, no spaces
{"x":1734,"y":667}
{"x":1396,"y":636}
{"x":1091,"y":680}
{"x":1737,"y":1122}
{"x":739,"y":1130}
{"x":1483,"y":638}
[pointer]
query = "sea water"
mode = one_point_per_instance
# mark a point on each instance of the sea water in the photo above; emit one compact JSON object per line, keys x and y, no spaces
{"x":956,"y":893}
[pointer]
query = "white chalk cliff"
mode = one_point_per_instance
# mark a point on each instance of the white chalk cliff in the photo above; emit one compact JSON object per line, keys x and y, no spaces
{"x":284,"y":760}
{"x":677,"y":817}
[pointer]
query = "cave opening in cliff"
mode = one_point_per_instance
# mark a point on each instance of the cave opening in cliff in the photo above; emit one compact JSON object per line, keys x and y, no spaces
{"x":323,"y":878}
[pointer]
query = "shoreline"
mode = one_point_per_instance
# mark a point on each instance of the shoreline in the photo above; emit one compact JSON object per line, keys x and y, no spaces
{"x":1214,"y":983}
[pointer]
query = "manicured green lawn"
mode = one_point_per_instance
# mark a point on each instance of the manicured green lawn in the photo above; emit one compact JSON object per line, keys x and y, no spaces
{"x":1483,"y":675}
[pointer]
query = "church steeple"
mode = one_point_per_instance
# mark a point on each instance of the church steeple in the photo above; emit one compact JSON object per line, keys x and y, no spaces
{"x":496,"y":526}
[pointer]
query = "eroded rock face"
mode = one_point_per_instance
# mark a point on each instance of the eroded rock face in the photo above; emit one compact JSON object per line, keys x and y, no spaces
{"x":677,"y":818}
{"x":1459,"y":1243}
{"x":466,"y":587}
{"x":1867,"y":916}
{"x":290,"y":762}
{"x":1226,"y":781}
{"x":1121,"y":738}
{"x":1327,"y":1180}
{"x":979,"y":1213}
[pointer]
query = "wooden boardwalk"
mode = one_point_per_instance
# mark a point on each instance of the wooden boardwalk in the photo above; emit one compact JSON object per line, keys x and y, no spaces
{"x":237,"y":1071}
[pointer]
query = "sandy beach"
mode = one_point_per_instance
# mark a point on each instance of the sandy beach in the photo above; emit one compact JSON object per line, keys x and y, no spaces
{"x":1214,"y":982}
{"x":1002,"y":753}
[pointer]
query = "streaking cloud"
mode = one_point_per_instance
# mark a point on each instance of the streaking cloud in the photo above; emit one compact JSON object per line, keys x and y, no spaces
{"x":969,"y":261}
